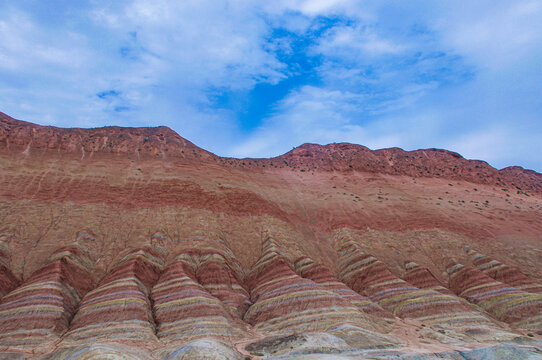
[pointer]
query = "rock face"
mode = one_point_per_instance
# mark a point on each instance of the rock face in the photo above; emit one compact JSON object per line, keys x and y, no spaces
{"x":174,"y":313}
{"x":119,"y":307}
{"x":419,"y":163}
{"x":40,"y":309}
{"x":220,"y":275}
{"x":505,"y":273}
{"x":185,"y":310}
{"x":157,"y":141}
{"x":133,"y":243}
{"x":423,"y":278}
{"x":367,"y":275}
{"x":284,"y":302}
{"x":164,"y":142}
{"x":516,"y":307}
{"x":8,"y":281}
{"x":320,"y":274}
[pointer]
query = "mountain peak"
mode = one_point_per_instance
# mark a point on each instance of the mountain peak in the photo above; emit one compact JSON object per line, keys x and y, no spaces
{"x":160,"y":141}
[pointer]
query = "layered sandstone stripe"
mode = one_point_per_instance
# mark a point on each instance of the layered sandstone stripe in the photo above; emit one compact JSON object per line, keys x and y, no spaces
{"x":423,"y":278}
{"x":220,"y":274}
{"x":505,"y":273}
{"x":41,"y":309}
{"x":98,"y":352}
{"x":307,"y":268}
{"x":119,"y":308}
{"x":8,"y":281}
{"x":185,"y":311}
{"x":516,"y":307}
{"x":367,"y":275}
{"x":284,"y":302}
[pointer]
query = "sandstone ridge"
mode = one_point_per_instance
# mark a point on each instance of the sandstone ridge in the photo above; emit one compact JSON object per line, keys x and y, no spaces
{"x":163,"y":142}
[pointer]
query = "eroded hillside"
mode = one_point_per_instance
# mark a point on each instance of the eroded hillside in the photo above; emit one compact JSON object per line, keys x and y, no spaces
{"x":140,"y":243}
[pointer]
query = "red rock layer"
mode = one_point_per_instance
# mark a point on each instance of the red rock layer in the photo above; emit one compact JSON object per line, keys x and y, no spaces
{"x":367,"y":275}
{"x":439,"y":163}
{"x":307,"y":268}
{"x":120,"y":309}
{"x":518,"y":308}
{"x":504,"y":273}
{"x":43,"y":306}
{"x":156,"y":141}
{"x":185,"y":311}
{"x":8,"y":281}
{"x":162,"y":142}
{"x":284,"y":302}
{"x":423,"y":278}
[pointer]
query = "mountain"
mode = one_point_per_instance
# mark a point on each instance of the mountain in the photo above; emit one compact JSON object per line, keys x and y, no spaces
{"x":134,"y":243}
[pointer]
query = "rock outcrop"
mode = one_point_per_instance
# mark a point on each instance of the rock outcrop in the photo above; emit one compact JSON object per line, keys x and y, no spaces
{"x":286,"y":303}
{"x":370,"y":277}
{"x":516,"y":307}
{"x":119,"y":308}
{"x":297,"y":256}
{"x":8,"y":281}
{"x":186,"y":311}
{"x":505,"y":273}
{"x":423,"y":278}
{"x":41,"y":309}
{"x":220,"y":274}
{"x":162,"y":142}
{"x":307,"y":268}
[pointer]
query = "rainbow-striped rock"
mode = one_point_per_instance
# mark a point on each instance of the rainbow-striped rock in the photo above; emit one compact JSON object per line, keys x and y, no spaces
{"x":219,"y":272}
{"x":119,"y":308}
{"x":186,"y":311}
{"x":367,"y":275}
{"x":505,"y":273}
{"x":422,"y":278}
{"x":286,"y":303}
{"x":41,"y":308}
{"x":516,"y":307}
{"x":307,"y":268}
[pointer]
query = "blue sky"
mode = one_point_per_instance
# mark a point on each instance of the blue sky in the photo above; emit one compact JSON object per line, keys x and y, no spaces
{"x":256,"y":78}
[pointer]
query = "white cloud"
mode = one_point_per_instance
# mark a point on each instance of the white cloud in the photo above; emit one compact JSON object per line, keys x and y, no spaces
{"x":23,"y":44}
{"x":495,"y":34}
{"x":205,"y":43}
{"x":355,"y":41}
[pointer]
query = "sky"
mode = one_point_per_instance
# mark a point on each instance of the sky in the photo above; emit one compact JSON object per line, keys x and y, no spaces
{"x":257,"y":78}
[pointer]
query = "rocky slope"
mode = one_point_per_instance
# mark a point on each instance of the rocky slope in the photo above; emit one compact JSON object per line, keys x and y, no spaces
{"x":133,"y":243}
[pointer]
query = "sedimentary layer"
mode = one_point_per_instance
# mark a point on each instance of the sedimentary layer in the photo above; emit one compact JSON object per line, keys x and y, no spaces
{"x":504,"y":273}
{"x":367,"y":275}
{"x":511,"y":305}
{"x":40,"y":310}
{"x":423,"y":278}
{"x":186,"y":311}
{"x":284,"y":302}
{"x":119,"y":308}
{"x":319,"y":273}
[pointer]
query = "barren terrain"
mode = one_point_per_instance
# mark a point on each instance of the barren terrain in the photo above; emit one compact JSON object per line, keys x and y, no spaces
{"x":123,"y":186}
